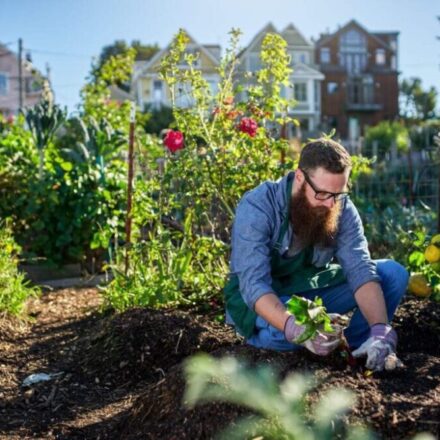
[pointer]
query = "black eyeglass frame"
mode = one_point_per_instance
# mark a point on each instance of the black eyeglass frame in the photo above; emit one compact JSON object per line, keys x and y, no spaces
{"x":327,"y":195}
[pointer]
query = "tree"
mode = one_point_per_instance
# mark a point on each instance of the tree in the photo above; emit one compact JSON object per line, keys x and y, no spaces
{"x":144,"y":52}
{"x":417,"y":103}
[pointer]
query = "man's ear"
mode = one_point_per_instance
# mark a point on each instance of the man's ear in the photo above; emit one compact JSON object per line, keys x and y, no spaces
{"x":299,"y":176}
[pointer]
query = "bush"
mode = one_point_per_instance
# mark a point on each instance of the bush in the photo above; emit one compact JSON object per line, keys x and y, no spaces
{"x":14,"y":290}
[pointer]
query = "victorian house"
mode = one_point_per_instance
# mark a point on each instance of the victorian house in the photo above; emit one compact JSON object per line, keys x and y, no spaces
{"x":361,"y":78}
{"x":151,"y":92}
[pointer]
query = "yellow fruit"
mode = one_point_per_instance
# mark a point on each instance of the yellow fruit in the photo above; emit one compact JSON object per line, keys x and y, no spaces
{"x":436,"y":239}
{"x":418,"y":285}
{"x":432,"y":253}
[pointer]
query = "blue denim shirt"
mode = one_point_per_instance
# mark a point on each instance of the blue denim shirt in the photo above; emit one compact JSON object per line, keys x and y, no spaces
{"x":258,"y":219}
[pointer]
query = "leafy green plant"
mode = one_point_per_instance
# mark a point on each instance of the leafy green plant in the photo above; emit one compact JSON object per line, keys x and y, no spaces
{"x":311,"y":314}
{"x":280,"y":409}
{"x":14,"y":289}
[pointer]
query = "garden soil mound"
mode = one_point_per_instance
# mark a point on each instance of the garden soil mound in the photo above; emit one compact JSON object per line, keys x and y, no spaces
{"x":121,"y":375}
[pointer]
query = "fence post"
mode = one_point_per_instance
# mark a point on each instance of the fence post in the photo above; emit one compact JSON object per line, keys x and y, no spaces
{"x":410,"y":175}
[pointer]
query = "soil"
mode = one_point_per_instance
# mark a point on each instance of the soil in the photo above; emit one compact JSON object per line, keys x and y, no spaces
{"x":121,"y":374}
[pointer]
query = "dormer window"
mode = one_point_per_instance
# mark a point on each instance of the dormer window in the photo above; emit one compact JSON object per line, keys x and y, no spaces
{"x":380,"y":57}
{"x":324,"y":55}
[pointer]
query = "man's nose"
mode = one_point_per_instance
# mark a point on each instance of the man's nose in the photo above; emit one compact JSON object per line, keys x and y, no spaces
{"x":329,"y":202}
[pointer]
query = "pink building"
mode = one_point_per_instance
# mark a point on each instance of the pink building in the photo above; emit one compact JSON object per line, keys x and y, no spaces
{"x":32,"y":83}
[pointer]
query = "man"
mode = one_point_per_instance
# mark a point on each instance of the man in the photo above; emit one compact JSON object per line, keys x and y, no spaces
{"x":285,"y":237}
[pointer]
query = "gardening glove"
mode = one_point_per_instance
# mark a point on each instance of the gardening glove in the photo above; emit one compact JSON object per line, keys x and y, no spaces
{"x":321,"y":344}
{"x":380,"y":348}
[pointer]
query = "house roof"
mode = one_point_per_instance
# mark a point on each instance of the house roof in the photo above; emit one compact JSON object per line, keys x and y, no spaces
{"x":266,"y":29}
{"x":353,"y":23}
{"x":294,"y":37}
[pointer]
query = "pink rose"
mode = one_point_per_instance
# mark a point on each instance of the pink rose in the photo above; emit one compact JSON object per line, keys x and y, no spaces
{"x":173,"y":140}
{"x":249,"y":126}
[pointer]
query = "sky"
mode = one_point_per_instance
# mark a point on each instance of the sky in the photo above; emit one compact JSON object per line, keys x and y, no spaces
{"x":66,"y":34}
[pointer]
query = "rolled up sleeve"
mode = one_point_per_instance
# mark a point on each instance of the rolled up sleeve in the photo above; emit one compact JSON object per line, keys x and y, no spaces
{"x":352,"y":250}
{"x":251,"y":247}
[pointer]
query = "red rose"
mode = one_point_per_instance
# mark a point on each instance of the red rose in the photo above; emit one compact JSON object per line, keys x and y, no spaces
{"x":173,"y":140}
{"x":249,"y":126}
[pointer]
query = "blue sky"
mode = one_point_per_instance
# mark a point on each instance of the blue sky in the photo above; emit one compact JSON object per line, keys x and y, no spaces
{"x":66,"y":34}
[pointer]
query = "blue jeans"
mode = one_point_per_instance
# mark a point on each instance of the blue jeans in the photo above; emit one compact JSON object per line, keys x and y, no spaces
{"x":340,"y":299}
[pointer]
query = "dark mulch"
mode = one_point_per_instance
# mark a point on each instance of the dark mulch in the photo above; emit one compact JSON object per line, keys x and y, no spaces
{"x":122,"y":374}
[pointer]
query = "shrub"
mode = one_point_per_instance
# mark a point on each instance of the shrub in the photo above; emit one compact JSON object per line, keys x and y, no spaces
{"x":14,"y":290}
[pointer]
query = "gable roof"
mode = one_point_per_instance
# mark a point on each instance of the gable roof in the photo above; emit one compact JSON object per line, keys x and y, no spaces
{"x":268,"y":28}
{"x":294,"y":37}
{"x":303,"y":70}
{"x":353,"y":23}
{"x":158,"y":55}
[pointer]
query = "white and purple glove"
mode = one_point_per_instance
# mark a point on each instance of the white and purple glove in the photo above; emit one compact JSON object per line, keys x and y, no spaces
{"x":380,"y":348}
{"x":322,"y":344}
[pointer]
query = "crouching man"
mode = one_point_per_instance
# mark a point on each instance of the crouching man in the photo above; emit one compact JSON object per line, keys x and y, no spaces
{"x":285,"y":240}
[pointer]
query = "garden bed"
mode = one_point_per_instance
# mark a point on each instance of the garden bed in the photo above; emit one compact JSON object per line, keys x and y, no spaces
{"x":122,"y":375}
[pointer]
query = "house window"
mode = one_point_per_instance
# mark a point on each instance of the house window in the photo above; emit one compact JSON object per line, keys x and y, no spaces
{"x":332,"y":88}
{"x":300,"y":57}
{"x":157,"y":91}
{"x":300,"y":91}
{"x":380,"y":57}
{"x":4,"y":84}
{"x":325,"y":55}
{"x":353,"y":51}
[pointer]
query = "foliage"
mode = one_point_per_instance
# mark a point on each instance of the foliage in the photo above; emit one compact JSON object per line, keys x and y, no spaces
{"x":218,"y":163}
{"x":311,"y":314}
{"x":385,"y":134}
{"x":423,"y":134}
{"x":418,"y":104}
{"x":96,"y":95}
{"x":67,"y":203}
{"x":14,"y":290}
{"x":280,"y":409}
{"x":158,"y":119}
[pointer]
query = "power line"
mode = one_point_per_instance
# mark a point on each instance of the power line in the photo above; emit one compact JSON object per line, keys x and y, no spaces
{"x":63,"y":54}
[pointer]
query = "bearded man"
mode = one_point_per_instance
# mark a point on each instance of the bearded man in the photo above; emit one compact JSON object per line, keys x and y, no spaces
{"x":302,"y":235}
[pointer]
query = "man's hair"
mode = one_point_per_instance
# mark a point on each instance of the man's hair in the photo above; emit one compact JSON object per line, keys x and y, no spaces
{"x":325,"y":153}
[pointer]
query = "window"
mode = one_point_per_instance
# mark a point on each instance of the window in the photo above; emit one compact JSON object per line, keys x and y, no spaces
{"x":380,"y":57}
{"x":353,"y":51}
{"x":157,"y":91}
{"x":332,"y":88}
{"x":300,"y":91}
{"x":300,"y":57}
{"x":325,"y":55}
{"x":4,"y":84}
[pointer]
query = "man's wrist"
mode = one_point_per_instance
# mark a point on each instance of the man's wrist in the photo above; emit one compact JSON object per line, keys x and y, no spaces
{"x":384,"y":332}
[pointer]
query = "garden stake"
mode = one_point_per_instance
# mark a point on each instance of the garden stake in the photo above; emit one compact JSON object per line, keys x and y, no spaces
{"x":129,"y":186}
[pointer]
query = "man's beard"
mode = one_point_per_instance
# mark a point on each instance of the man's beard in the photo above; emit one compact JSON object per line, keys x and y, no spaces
{"x":313,"y":225}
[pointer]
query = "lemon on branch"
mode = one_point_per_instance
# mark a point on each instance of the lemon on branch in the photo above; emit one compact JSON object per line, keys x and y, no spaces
{"x":418,"y":285}
{"x":432,"y":253}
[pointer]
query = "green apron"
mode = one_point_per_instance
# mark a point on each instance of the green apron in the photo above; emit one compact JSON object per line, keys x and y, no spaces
{"x":289,"y":276}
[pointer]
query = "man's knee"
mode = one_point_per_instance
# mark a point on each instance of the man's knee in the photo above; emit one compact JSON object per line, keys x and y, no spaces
{"x":394,"y":278}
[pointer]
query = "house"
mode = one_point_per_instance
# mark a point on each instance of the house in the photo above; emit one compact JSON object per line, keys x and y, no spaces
{"x":151,"y":91}
{"x":361,"y":78}
{"x":32,"y":83}
{"x":305,"y":79}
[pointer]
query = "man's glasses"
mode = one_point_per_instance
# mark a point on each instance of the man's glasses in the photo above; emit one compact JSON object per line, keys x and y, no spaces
{"x":324,"y":195}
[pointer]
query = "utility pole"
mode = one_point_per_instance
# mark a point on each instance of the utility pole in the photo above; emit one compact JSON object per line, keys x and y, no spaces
{"x":20,"y":73}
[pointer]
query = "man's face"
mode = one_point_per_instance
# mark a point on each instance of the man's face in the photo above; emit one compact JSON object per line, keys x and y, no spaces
{"x":314,"y":211}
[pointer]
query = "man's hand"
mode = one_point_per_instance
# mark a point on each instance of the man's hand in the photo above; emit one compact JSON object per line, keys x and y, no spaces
{"x":322,"y":344}
{"x":380,"y":349}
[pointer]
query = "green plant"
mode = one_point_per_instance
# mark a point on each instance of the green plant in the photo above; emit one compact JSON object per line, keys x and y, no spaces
{"x":14,"y":290}
{"x":311,"y":314}
{"x":280,"y":409}
{"x":385,"y":134}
